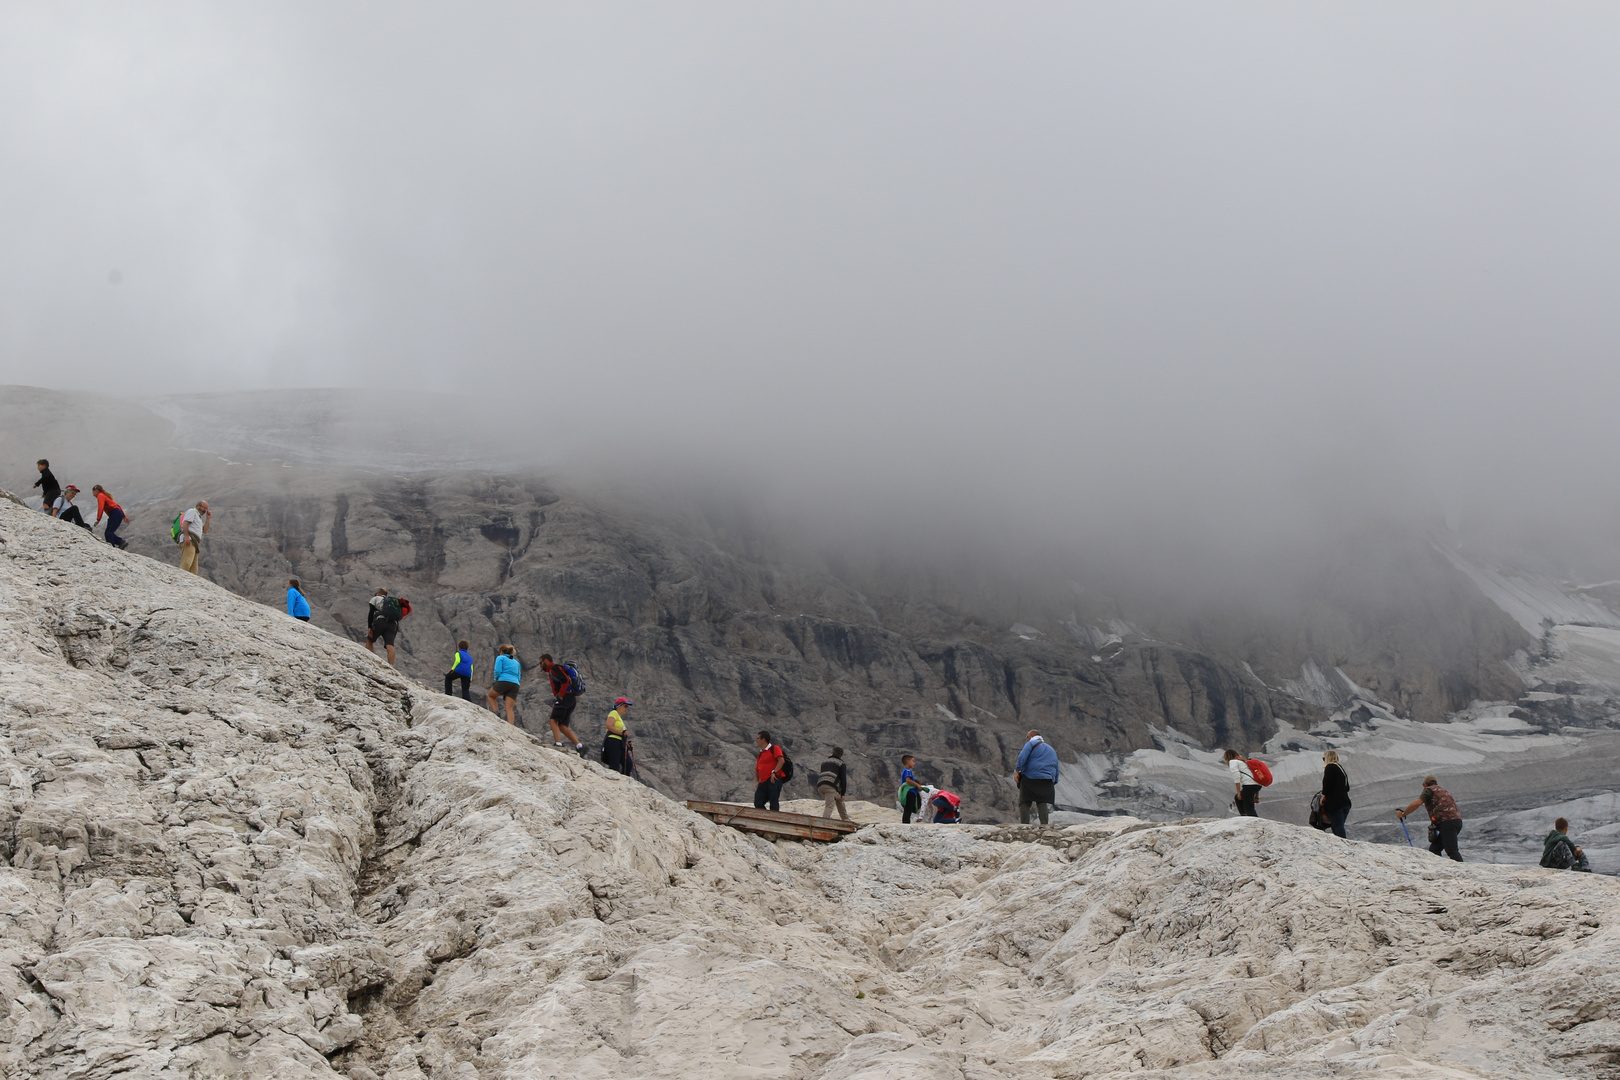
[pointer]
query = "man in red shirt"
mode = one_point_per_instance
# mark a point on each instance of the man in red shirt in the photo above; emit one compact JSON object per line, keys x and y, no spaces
{"x":567,"y":696}
{"x":768,"y":771}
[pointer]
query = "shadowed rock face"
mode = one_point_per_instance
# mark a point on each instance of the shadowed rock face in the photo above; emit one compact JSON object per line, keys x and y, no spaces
{"x":710,"y":643}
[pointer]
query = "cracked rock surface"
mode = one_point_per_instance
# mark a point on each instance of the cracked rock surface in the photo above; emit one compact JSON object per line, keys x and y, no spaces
{"x":238,"y":846}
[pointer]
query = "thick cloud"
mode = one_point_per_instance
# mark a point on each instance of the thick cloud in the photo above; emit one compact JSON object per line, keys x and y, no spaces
{"x":1059,"y":267}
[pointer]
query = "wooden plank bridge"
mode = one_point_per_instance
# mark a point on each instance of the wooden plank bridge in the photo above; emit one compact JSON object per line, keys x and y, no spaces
{"x":773,"y":822}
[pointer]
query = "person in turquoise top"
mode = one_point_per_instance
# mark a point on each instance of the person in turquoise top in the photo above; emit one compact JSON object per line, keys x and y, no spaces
{"x":297,"y":605}
{"x":508,"y":673}
{"x":460,"y":668}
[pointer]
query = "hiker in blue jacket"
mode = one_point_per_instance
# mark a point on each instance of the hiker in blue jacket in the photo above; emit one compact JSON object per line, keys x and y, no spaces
{"x":461,"y":666}
{"x":297,"y":605}
{"x":1036,"y":775}
{"x":508,"y":674}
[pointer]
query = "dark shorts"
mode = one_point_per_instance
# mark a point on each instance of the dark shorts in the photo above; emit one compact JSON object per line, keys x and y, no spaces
{"x":302,"y":618}
{"x":384,"y":630}
{"x":506,"y":689}
{"x":1037,"y":791}
{"x":561,"y":711}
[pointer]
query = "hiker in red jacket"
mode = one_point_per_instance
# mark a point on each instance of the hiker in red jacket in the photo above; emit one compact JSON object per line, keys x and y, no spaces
{"x":768,"y":771}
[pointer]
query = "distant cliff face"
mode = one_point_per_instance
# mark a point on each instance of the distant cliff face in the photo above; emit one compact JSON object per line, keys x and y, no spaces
{"x":715,"y":631}
{"x":711,"y":645}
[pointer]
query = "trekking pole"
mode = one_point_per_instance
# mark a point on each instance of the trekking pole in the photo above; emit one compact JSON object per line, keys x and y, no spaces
{"x":1408,"y":833}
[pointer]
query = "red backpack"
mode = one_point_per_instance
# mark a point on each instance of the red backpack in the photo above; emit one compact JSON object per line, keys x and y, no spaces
{"x":1260,"y":772}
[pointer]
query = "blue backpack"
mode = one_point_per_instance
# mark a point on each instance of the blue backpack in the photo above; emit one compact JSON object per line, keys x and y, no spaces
{"x":576,"y":683}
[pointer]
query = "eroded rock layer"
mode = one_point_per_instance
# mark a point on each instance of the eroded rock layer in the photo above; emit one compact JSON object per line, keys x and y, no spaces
{"x":239,"y":846}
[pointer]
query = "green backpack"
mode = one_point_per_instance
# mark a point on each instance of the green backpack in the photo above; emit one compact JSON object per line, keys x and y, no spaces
{"x":174,"y":529}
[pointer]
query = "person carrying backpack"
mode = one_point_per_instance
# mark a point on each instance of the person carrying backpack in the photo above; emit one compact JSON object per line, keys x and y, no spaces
{"x":64,"y":510}
{"x":616,"y":740}
{"x":1445,"y":820}
{"x":297,"y":602}
{"x":1335,"y":803}
{"x":565,"y":689}
{"x":1036,"y":776}
{"x":832,"y":782}
{"x":1558,"y":851}
{"x":115,"y":516}
{"x":49,"y":489}
{"x":190,"y":527}
{"x":1248,"y":788}
{"x":389,"y":610}
{"x":770,"y":771}
{"x":508,"y":676}
{"x":461,"y":667}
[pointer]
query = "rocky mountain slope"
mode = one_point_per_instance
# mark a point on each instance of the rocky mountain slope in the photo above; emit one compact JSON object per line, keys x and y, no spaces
{"x":239,"y":846}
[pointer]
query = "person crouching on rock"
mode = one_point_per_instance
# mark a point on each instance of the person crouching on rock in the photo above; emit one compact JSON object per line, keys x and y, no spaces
{"x":1036,"y":777}
{"x":769,"y":773}
{"x":1445,"y":820}
{"x":832,"y":783}
{"x":947,"y":808}
{"x":297,"y":602}
{"x":1248,"y":788}
{"x":64,"y":510}
{"x":1558,"y":851}
{"x":616,"y":738}
{"x":508,"y":674}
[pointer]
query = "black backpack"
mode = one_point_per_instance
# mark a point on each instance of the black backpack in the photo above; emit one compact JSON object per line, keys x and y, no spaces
{"x":395,"y":608}
{"x":1319,"y":820}
{"x":787,"y":765}
{"x":1562,"y":856}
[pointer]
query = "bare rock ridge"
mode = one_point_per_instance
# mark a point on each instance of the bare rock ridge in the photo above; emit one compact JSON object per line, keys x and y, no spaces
{"x":238,"y":846}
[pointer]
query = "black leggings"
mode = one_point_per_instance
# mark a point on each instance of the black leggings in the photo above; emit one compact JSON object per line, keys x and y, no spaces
{"x":466,"y":681}
{"x":913,"y":805}
{"x":1246,"y":800}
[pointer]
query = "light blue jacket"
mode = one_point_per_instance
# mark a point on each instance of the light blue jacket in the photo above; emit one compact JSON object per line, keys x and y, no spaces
{"x":1038,"y":761}
{"x":297,"y":606}
{"x":508,"y":669}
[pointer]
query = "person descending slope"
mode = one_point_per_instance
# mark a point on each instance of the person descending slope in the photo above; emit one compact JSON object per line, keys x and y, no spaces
{"x":64,"y":510}
{"x":461,"y":667}
{"x":297,"y":602}
{"x":565,"y":687}
{"x":115,"y":516}
{"x":1445,"y":820}
{"x":616,"y":740}
{"x":1036,"y":776}
{"x":1558,"y":851}
{"x":49,"y":489}
{"x":193,"y":526}
{"x":832,"y":783}
{"x":508,"y":675}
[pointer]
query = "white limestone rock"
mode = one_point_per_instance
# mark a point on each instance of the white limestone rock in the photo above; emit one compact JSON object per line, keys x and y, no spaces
{"x":238,"y":846}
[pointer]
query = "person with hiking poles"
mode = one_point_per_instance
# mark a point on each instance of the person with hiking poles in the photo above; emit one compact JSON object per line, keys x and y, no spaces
{"x":616,"y":740}
{"x":565,"y":691}
{"x":1445,"y":820}
{"x":508,"y":675}
{"x":115,"y":516}
{"x":194,"y":525}
{"x":1335,"y":803}
{"x":1248,"y":788}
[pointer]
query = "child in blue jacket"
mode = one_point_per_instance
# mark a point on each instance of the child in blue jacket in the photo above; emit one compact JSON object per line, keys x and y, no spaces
{"x":460,"y":668}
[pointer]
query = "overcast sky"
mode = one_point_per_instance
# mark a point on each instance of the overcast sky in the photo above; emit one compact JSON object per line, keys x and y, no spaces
{"x":1081,"y":251}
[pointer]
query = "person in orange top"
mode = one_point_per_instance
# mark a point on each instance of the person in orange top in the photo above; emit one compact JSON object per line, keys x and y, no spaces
{"x":768,"y":771}
{"x":115,"y":516}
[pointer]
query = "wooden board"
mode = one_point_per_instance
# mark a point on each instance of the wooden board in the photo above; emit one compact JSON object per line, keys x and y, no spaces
{"x":773,"y":822}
